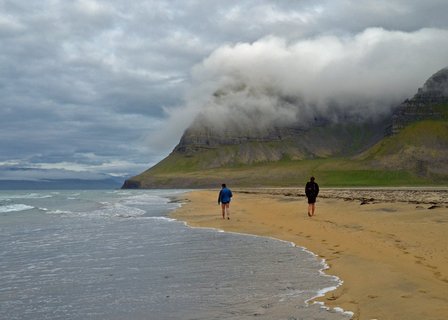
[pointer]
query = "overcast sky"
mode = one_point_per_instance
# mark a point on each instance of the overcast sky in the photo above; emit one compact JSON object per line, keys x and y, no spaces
{"x":91,"y":87}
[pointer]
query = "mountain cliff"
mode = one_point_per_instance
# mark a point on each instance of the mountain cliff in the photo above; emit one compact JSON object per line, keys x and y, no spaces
{"x":321,"y":139}
{"x":419,"y":133}
{"x":426,"y":104}
{"x":407,"y":146}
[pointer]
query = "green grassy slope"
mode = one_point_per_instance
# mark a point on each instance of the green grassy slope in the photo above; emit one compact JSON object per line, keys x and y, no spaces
{"x":330,"y":172}
{"x":422,"y":141}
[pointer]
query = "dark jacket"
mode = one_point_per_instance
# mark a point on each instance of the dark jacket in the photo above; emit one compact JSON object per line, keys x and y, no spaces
{"x":311,"y":189}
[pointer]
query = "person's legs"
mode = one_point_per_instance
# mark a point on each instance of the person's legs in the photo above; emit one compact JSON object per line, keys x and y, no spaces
{"x":223,"y":207}
{"x":228,"y":210}
{"x":311,"y":206}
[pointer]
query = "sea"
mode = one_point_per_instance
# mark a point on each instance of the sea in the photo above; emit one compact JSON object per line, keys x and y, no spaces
{"x":117,"y":254}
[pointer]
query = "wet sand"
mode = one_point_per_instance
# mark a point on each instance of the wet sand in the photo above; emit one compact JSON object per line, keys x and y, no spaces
{"x":389,"y":246}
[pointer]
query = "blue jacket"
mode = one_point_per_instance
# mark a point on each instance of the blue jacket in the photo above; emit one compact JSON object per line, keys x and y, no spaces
{"x":224,"y":195}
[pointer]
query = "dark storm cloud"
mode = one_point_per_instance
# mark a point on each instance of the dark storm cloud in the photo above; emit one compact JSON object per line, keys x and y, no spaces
{"x":109,"y":86}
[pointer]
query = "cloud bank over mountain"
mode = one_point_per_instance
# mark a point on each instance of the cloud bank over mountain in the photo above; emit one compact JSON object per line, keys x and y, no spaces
{"x":274,"y":81}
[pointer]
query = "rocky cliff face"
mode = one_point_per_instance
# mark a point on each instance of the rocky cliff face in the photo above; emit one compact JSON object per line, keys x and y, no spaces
{"x":202,"y":136}
{"x":273,"y":144}
{"x":321,"y":138}
{"x":422,"y":106}
{"x":416,"y":145}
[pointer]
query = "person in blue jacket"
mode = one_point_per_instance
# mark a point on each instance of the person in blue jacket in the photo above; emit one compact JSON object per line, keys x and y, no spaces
{"x":224,"y":197}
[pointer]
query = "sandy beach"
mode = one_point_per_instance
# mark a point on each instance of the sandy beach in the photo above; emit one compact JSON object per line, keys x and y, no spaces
{"x":388,"y":246}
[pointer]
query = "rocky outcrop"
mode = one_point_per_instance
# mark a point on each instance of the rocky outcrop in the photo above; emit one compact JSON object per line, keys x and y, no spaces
{"x":131,"y":184}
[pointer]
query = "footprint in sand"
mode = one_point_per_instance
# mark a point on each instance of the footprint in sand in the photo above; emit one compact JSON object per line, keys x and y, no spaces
{"x":419,"y":259}
{"x":422,"y":291}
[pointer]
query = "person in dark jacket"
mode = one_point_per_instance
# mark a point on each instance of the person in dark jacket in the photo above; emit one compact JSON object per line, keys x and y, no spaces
{"x":311,"y":191}
{"x":224,"y":197}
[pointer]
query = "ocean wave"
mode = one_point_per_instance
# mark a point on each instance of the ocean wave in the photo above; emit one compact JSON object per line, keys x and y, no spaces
{"x":113,"y":210}
{"x":161,"y":219}
{"x":59,"y":212}
{"x":26,"y":196}
{"x":15,"y":208}
{"x":145,"y":199}
{"x":107,"y":210}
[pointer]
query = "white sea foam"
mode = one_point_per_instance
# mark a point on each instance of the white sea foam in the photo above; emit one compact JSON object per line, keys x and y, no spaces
{"x":15,"y":208}
{"x":143,"y":199}
{"x":25,"y":196}
{"x":159,"y":198}
{"x":59,"y":212}
{"x":324,"y":291}
{"x":117,"y":210}
{"x":336,"y":309}
{"x":161,"y":218}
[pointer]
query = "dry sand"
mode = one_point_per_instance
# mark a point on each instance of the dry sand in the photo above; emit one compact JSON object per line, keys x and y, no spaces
{"x":390,"y":247}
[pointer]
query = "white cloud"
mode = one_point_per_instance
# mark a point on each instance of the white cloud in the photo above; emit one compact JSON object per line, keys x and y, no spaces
{"x":277,"y":81}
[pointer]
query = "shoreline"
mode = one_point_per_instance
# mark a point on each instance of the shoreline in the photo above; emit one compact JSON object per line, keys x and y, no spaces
{"x":386,"y":245}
